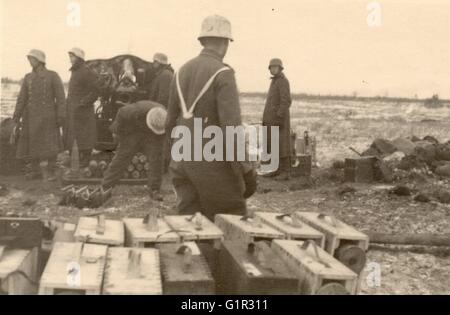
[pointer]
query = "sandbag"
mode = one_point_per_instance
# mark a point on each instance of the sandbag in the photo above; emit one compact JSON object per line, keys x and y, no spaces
{"x":443,"y":152}
{"x":443,"y":170}
{"x":383,"y":146}
{"x":425,"y":151}
{"x":404,"y":145}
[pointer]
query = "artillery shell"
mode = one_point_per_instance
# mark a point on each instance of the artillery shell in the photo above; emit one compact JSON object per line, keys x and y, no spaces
{"x":135,"y":160}
{"x":130,"y":168}
{"x":136,"y":175}
{"x":143,"y":158}
{"x":140,"y":167}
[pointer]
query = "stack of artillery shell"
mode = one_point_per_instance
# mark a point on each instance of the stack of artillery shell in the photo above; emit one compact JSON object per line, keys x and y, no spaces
{"x":137,"y":169}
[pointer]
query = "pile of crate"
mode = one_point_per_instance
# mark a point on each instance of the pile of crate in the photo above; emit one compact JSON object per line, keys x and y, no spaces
{"x":162,"y":256}
{"x":268,"y":253}
{"x":302,"y":253}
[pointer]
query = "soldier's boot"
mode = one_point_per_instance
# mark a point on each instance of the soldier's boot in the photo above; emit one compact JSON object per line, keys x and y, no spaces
{"x":51,"y":169}
{"x":156,"y":195}
{"x":34,"y":172}
{"x":284,"y":169}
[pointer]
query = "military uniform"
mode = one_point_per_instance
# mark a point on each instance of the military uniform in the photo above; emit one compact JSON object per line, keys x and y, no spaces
{"x":209,"y":187}
{"x":276,"y":113}
{"x":134,"y":136}
{"x":41,"y":106}
{"x":160,"y":86}
{"x":81,"y":124}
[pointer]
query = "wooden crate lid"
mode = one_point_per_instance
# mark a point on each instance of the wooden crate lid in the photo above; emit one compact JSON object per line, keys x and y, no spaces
{"x":341,"y":230}
{"x":250,"y":264}
{"x":303,"y":230}
{"x":182,"y":223}
{"x":11,"y":260}
{"x":172,"y":264}
{"x":86,"y":231}
{"x":325,"y":266}
{"x":90,"y":257}
{"x":117,"y":280}
{"x":262,"y":230}
{"x":139,"y":232}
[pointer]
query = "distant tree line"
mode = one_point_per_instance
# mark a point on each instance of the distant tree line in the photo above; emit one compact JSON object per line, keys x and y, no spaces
{"x":304,"y":96}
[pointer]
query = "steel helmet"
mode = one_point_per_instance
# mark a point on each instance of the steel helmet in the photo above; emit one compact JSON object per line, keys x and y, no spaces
{"x":216,"y":26}
{"x":38,"y":54}
{"x":77,"y":52}
{"x":276,"y":62}
{"x":156,"y":120}
{"x":161,"y":58}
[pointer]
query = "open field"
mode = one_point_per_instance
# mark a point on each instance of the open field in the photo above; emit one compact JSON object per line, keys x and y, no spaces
{"x":336,"y":125}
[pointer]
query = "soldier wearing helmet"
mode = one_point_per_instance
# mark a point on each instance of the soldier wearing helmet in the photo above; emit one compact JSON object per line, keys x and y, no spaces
{"x":160,"y":85}
{"x":276,"y":113}
{"x":210,"y":187}
{"x":83,"y":92}
{"x":39,"y":114}
{"x":138,"y":127}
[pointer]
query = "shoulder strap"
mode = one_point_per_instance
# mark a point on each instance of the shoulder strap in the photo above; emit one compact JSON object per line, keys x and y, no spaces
{"x":187,"y":114}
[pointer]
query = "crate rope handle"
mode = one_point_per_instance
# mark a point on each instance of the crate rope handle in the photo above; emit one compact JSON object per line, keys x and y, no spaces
{"x":305,"y":246}
{"x":322,"y":216}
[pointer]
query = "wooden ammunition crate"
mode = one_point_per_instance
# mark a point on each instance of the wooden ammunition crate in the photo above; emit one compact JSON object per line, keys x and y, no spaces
{"x":14,"y":262}
{"x":316,"y":269}
{"x":301,"y":165}
{"x":260,"y":273}
{"x":137,"y":235}
{"x":337,"y":233}
{"x":360,"y":170}
{"x":74,"y":268}
{"x":292,"y":231}
{"x":119,"y":277}
{"x":186,"y":228}
{"x":89,"y":230}
{"x":341,"y":240}
{"x":182,"y":279}
{"x":234,"y":228}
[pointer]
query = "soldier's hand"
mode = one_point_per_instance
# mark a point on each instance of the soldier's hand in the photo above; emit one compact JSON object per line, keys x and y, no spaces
{"x":250,"y":183}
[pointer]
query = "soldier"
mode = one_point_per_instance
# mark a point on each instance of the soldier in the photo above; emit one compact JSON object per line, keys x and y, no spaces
{"x":160,"y":85}
{"x":39,"y":114}
{"x":276,"y":113}
{"x":83,"y":92}
{"x":138,"y":127}
{"x":159,"y":92}
{"x":216,"y":186}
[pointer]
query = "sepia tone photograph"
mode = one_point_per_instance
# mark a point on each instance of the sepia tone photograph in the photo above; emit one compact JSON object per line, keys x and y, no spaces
{"x":207,"y":148}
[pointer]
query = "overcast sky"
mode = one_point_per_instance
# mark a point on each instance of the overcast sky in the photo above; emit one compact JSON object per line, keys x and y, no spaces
{"x":327,"y":46}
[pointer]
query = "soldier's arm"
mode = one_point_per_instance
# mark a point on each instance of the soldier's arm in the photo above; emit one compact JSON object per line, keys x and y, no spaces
{"x":164,"y":89}
{"x":92,"y":85}
{"x":60,"y":96}
{"x":229,"y":111}
{"x":22,"y":101}
{"x":173,"y":109}
{"x":285,"y":98}
{"x":227,"y":98}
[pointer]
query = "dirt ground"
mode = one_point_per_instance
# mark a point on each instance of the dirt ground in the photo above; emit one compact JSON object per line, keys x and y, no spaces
{"x":336,"y":126}
{"x":369,"y":208}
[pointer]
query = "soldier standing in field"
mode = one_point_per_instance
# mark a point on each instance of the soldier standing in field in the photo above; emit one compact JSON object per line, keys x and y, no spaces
{"x":202,"y":186}
{"x":83,"y":92}
{"x":276,"y":114}
{"x":39,"y":114}
{"x":159,"y":92}
{"x":160,"y":85}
